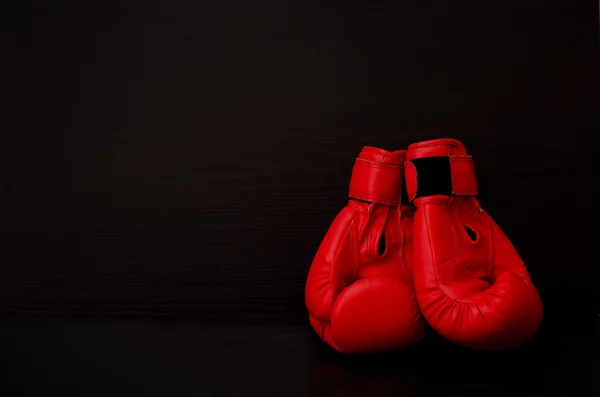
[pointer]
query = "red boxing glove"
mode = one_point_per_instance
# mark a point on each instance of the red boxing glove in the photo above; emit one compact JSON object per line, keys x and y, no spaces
{"x":470,"y":282}
{"x":359,"y":290}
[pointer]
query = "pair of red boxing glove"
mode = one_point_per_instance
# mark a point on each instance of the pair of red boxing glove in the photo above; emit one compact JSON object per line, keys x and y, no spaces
{"x":386,"y":267}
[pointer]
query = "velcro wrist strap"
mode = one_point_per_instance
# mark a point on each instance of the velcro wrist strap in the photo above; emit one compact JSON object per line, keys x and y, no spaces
{"x":447,"y":175}
{"x":376,"y":182}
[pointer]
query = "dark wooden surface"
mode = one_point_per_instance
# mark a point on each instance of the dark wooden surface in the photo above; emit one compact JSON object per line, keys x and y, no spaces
{"x":186,"y":160}
{"x":57,"y":358}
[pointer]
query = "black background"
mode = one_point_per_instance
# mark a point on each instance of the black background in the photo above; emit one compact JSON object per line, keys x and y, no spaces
{"x":180,"y":162}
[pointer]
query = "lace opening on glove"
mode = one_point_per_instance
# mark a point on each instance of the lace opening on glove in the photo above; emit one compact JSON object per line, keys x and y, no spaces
{"x":381,"y":247}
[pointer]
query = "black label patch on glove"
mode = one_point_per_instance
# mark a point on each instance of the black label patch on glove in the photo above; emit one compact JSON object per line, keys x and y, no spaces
{"x":433,"y":176}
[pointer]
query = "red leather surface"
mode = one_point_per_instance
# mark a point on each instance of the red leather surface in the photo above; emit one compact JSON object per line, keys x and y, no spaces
{"x":462,"y":171}
{"x":474,"y":292}
{"x":411,"y":180}
{"x":361,"y":300}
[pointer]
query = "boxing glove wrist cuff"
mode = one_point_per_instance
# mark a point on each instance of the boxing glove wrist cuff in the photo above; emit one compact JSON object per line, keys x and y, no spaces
{"x":444,"y":175}
{"x":376,"y":182}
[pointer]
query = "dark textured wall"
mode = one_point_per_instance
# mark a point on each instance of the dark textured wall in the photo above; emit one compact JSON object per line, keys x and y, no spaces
{"x":187,"y":160}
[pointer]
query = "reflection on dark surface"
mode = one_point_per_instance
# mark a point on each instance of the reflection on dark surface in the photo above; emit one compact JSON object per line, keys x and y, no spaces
{"x":379,"y":375}
{"x":549,"y":363}
{"x":58,"y":357}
